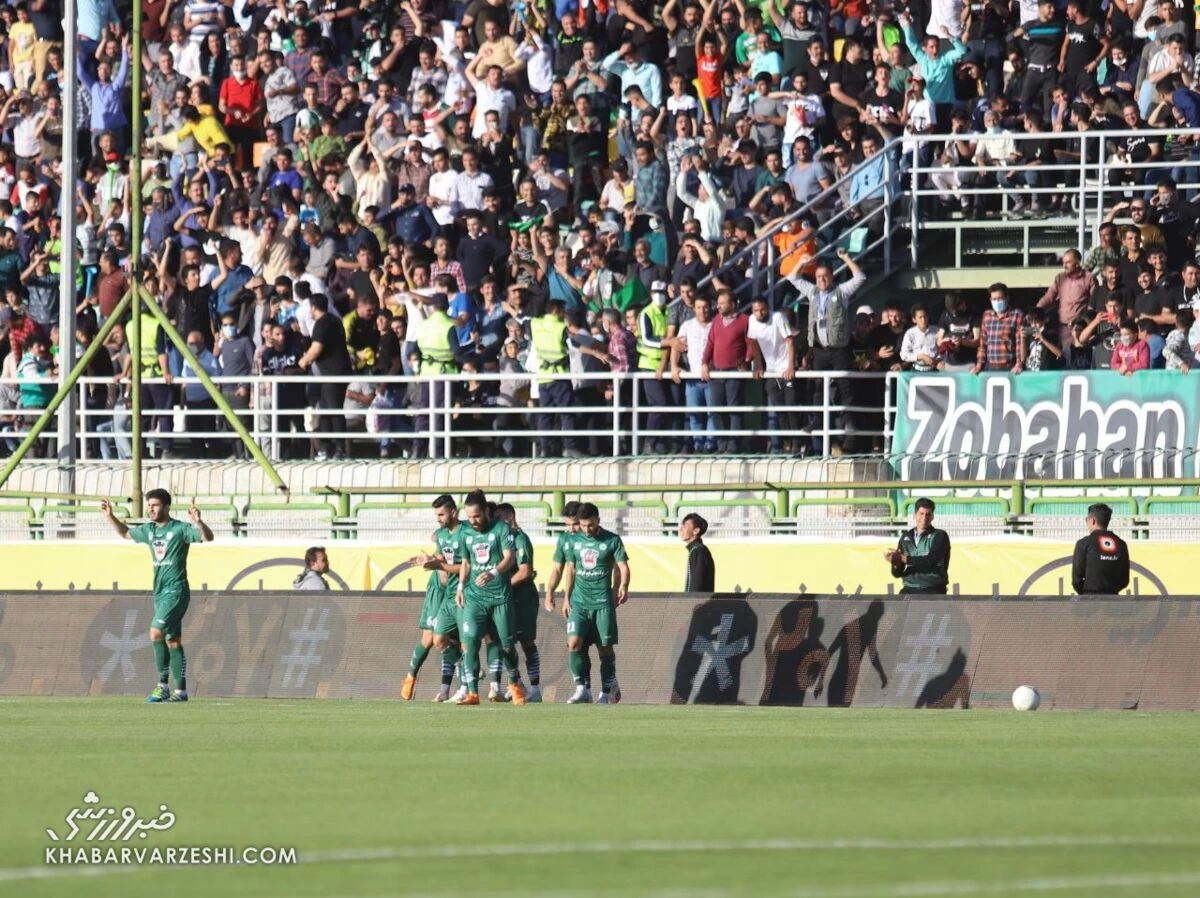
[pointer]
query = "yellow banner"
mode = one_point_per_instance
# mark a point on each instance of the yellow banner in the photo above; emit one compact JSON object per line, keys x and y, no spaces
{"x":1013,"y":567}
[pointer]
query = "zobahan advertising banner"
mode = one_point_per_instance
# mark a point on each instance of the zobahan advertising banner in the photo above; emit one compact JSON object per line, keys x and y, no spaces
{"x":1046,"y":425}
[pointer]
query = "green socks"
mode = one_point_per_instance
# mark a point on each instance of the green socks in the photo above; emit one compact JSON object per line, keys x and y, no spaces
{"x":178,"y":667}
{"x":470,"y":673}
{"x":608,"y":672}
{"x":576,"y":661}
{"x":420,"y":653}
{"x":495,"y":664}
{"x":450,"y":659}
{"x":162,"y":660}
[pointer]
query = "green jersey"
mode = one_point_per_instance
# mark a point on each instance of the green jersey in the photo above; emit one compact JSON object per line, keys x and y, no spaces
{"x":560,"y":548}
{"x":447,"y":547}
{"x":524,"y":550}
{"x":594,"y":558}
{"x":484,"y":550}
{"x":168,"y":544}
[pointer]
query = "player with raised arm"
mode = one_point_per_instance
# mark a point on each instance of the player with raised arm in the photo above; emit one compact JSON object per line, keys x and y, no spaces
{"x":168,"y":540}
{"x":592,"y":556}
{"x":439,"y":614}
{"x":525,"y":600}
{"x":484,"y":594}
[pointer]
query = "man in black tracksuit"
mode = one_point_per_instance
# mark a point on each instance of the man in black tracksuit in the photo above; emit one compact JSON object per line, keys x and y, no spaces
{"x":922,"y":557}
{"x":701,"y":572}
{"x":1101,"y":564}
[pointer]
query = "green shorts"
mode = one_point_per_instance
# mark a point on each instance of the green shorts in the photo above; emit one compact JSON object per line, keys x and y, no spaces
{"x":168,"y":615}
{"x":496,"y":621}
{"x":445,"y":623}
{"x":526,"y":606}
{"x":433,"y":603}
{"x":595,"y":626}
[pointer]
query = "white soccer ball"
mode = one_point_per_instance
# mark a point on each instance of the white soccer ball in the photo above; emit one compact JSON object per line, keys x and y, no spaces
{"x":1026,"y":698}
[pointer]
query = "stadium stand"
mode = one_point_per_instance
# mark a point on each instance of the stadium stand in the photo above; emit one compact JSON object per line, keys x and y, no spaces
{"x":441,"y":176}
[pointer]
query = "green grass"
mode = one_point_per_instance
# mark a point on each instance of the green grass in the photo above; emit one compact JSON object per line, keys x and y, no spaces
{"x":325,"y":776}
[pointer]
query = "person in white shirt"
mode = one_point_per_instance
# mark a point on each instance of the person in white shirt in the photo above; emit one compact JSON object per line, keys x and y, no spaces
{"x":948,"y":15}
{"x":707,"y":207}
{"x":690,"y":343}
{"x":920,"y":345}
{"x":184,"y":53}
{"x":919,"y":116}
{"x":539,"y":64}
{"x":282,"y":94}
{"x":372,"y":186}
{"x":995,"y":149}
{"x":443,"y":189}
{"x":804,"y":112}
{"x":774,"y":339}
{"x":471,"y":182}
{"x":238,"y":230}
{"x":490,"y":96}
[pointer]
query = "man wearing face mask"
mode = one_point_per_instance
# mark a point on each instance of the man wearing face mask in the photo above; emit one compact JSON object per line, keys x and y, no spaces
{"x":1001,"y":343}
{"x":195,"y":397}
{"x":236,"y":354}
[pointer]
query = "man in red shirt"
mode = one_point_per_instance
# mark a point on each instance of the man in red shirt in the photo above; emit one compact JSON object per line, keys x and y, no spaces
{"x":242,"y":101}
{"x":112,"y":285}
{"x":728,"y":349}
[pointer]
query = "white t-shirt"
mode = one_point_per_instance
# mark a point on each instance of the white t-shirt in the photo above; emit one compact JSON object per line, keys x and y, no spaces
{"x":444,"y":186}
{"x":695,"y":335}
{"x":687,"y":103}
{"x":538,"y":65}
{"x":921,"y":116}
{"x":946,"y":14}
{"x":487,"y":100}
{"x":802,"y":114}
{"x":773,"y":337}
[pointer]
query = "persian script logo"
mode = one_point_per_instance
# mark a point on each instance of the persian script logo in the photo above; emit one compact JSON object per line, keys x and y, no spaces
{"x":111,"y":824}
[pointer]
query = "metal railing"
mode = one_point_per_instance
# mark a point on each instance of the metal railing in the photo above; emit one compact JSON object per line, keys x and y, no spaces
{"x":617,"y":421}
{"x":835,"y":225}
{"x":1082,"y":183}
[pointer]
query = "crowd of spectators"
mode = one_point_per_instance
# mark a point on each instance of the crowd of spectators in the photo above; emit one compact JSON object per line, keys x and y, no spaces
{"x":323,"y":184}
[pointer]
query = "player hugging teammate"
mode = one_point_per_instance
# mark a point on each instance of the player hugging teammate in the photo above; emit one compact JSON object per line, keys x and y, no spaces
{"x":481,"y":592}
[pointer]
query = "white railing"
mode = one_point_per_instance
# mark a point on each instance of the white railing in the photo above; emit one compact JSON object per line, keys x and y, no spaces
{"x":835,"y":224}
{"x":609,"y":426}
{"x":1083,"y":183}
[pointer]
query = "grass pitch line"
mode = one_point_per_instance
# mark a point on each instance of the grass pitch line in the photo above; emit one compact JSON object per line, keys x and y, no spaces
{"x":466,"y":852}
{"x":456,"y":852}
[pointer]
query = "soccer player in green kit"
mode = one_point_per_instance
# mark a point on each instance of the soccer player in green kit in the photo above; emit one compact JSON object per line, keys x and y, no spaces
{"x":592,"y":555}
{"x":168,"y":540}
{"x":525,"y":601}
{"x":484,"y":594}
{"x":570,"y":520}
{"x":439,"y":614}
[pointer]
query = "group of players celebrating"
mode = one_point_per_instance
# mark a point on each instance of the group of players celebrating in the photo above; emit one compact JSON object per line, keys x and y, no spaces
{"x":482,"y":592}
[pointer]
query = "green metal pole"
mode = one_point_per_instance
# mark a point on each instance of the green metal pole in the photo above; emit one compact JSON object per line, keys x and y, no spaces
{"x":214,"y":392}
{"x":135,"y":227}
{"x":135,"y":174}
{"x":64,"y":391}
{"x":135,"y":396}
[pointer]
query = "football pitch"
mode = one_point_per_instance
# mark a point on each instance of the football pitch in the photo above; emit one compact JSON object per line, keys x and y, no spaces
{"x":382,"y":798}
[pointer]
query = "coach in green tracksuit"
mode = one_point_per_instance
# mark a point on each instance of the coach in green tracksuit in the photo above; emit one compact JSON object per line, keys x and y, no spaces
{"x":922,"y":558}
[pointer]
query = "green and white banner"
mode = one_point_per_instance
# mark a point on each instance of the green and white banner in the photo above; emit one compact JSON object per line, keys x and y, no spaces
{"x":1046,"y":425}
